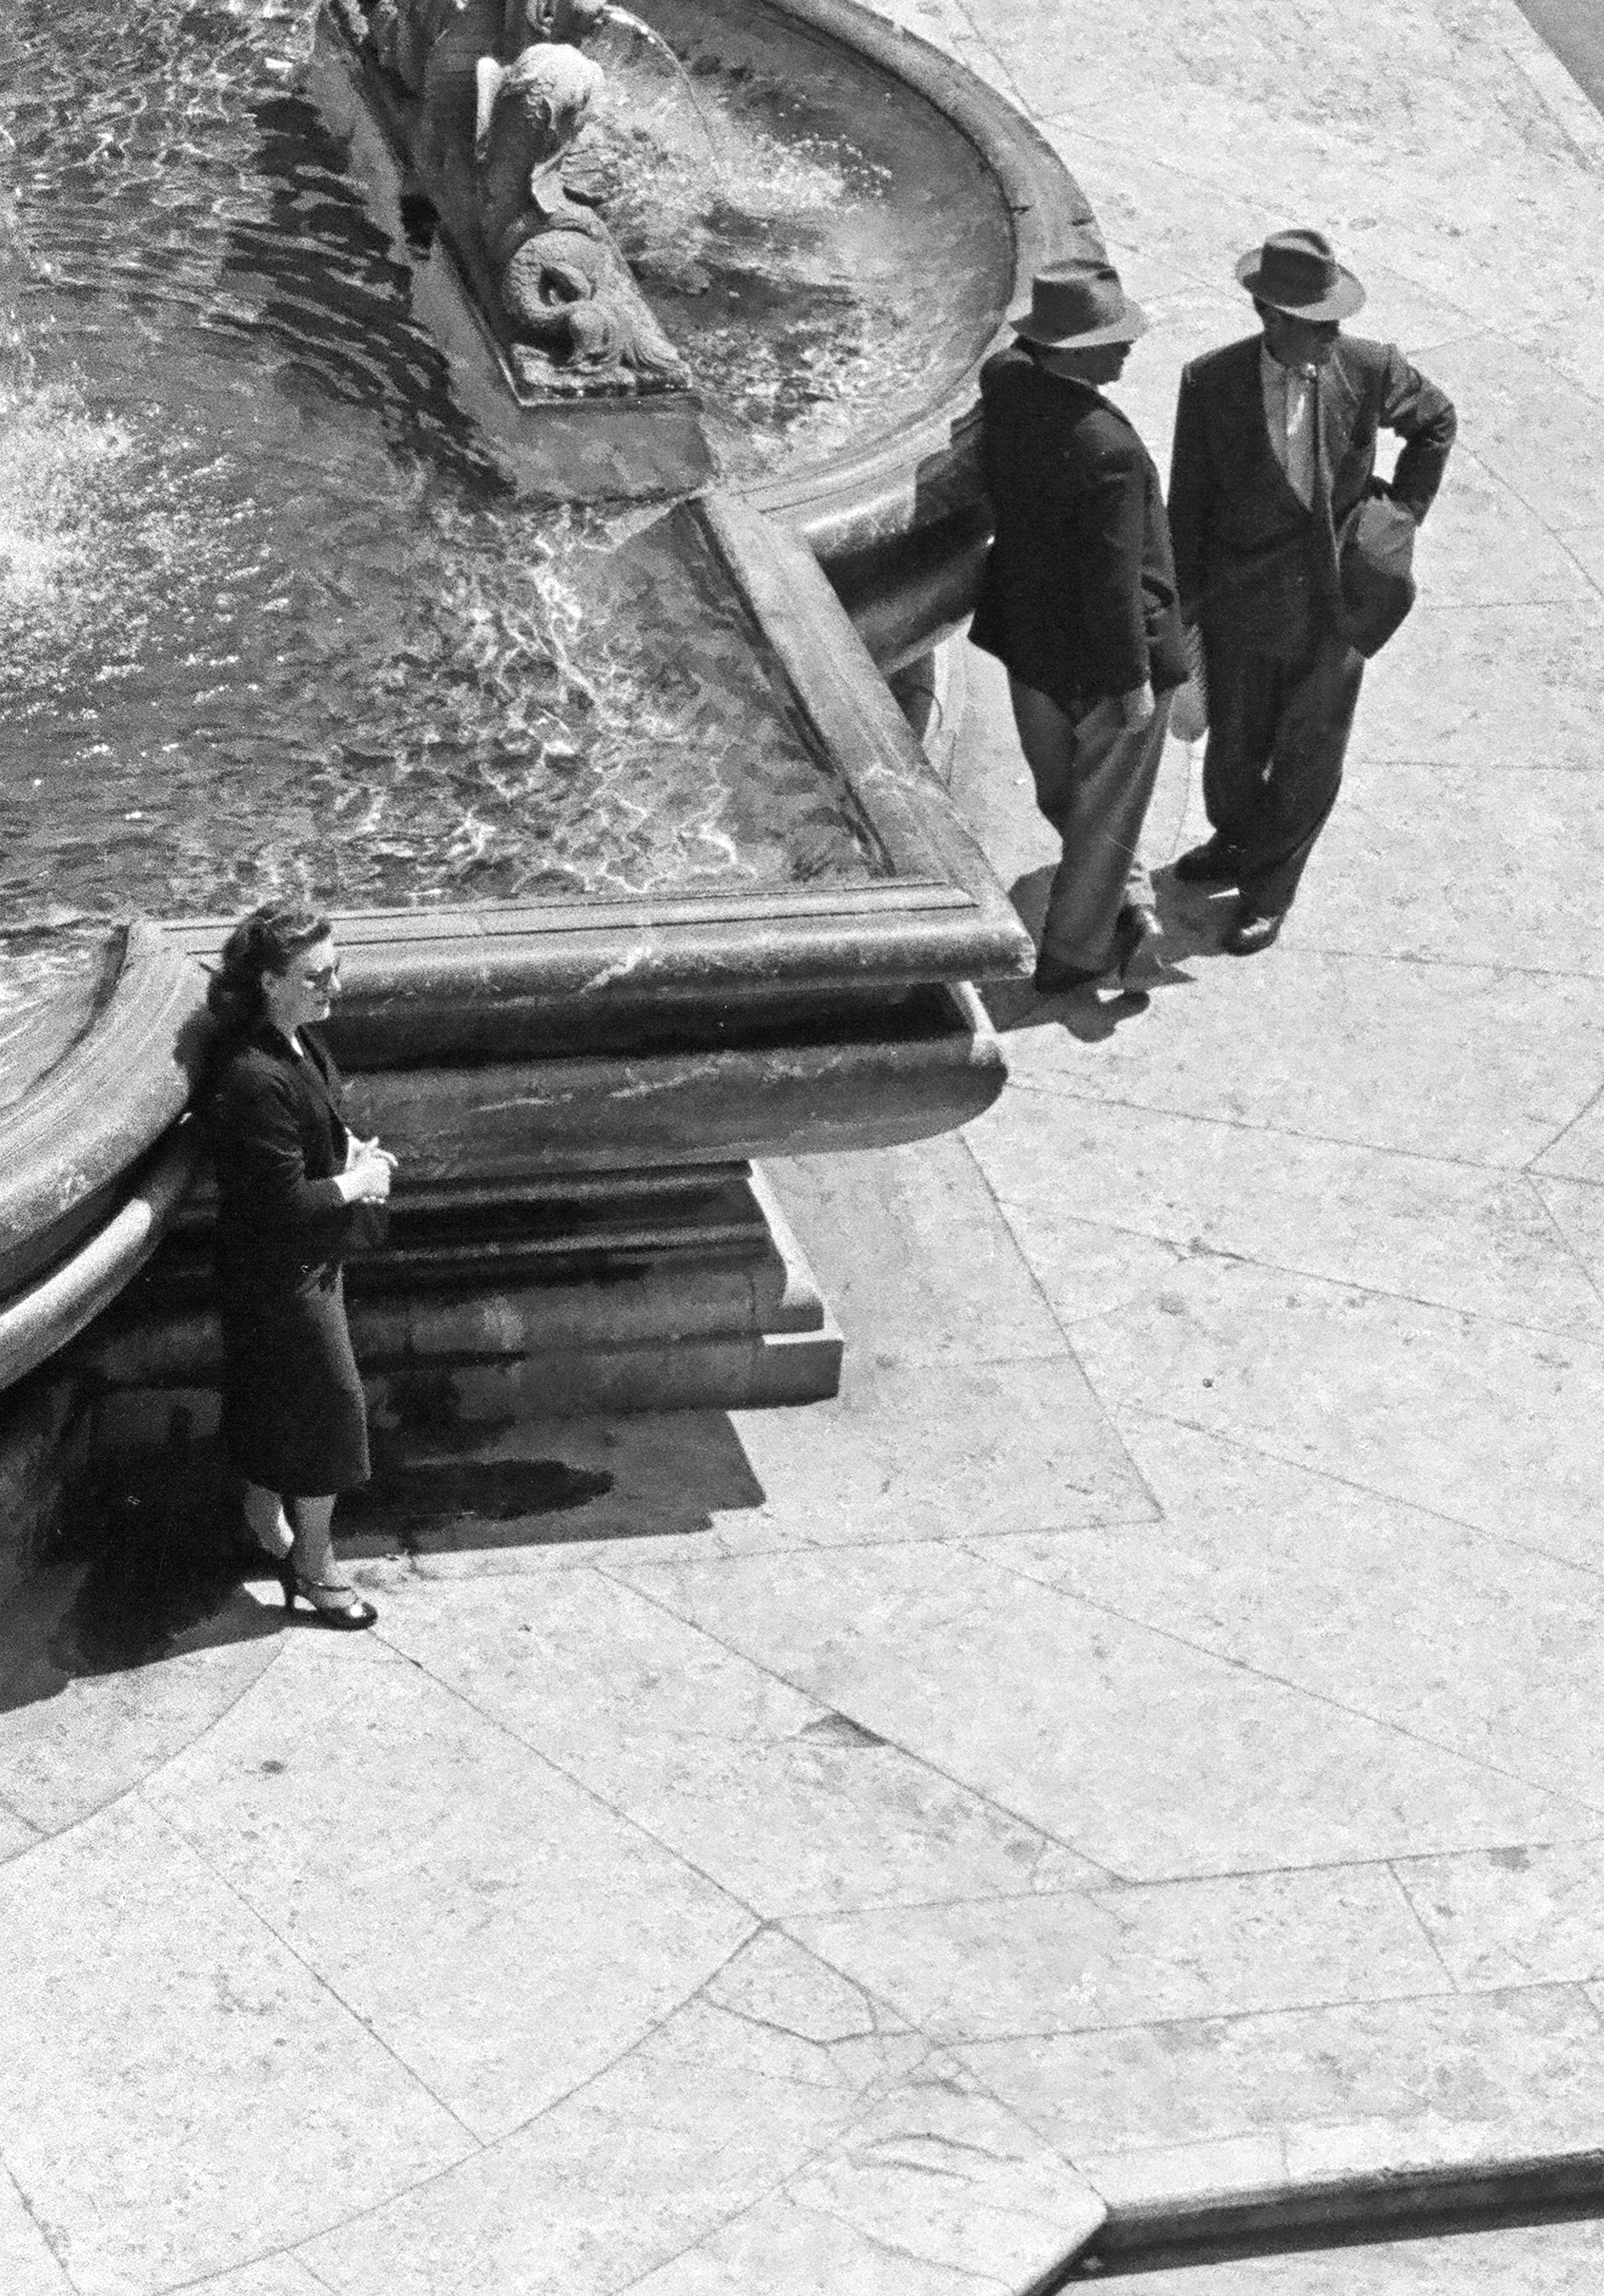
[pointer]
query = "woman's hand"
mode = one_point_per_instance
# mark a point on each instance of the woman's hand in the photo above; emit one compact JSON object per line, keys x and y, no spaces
{"x":366,"y":1177}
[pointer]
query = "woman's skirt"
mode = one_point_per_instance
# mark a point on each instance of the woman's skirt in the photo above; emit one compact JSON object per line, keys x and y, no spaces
{"x":294,"y":1418}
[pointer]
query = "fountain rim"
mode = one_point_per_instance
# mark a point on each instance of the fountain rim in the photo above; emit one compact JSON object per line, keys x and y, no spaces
{"x":846,"y":503}
{"x":940,"y":916}
{"x":943,"y":922}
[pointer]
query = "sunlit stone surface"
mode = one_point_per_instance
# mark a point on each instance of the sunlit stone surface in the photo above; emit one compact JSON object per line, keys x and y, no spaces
{"x":272,"y":614}
{"x":50,"y":986}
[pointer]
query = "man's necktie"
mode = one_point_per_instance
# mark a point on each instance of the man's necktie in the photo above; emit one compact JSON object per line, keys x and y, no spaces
{"x":1302,"y":385}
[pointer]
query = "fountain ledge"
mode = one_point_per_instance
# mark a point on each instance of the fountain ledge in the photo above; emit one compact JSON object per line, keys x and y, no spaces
{"x":575,"y":1087}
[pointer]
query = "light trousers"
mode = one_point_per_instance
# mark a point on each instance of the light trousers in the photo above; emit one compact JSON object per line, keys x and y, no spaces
{"x":1094,"y":779}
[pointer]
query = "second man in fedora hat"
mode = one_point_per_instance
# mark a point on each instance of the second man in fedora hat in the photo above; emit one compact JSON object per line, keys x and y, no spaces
{"x":1078,"y":601}
{"x":1273,"y":502}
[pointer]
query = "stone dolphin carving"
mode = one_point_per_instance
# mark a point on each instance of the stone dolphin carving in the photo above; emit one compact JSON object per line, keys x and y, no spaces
{"x":563,"y":284}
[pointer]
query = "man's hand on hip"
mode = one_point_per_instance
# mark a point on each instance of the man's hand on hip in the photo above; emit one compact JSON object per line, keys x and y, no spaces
{"x":1137,"y":707}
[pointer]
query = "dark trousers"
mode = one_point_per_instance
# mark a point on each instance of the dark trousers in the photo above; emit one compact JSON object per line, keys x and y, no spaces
{"x":1278,"y":731}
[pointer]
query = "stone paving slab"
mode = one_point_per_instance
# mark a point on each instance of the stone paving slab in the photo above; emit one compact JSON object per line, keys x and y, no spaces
{"x":788,"y":1805}
{"x":1151,"y":1757}
{"x":1425,"y":1228}
{"x":1177,"y":2111}
{"x":1139,"y":1741}
{"x":1419,"y":866}
{"x":1479,"y":1646}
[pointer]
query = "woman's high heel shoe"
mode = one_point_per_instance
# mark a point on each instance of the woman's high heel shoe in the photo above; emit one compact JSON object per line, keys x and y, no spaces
{"x":335,"y":1603}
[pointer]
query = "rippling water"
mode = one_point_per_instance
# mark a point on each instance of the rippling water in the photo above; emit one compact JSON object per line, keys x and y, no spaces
{"x":270,"y":617}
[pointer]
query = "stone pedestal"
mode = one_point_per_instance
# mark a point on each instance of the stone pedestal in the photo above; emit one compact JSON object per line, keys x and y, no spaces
{"x":624,"y":1291}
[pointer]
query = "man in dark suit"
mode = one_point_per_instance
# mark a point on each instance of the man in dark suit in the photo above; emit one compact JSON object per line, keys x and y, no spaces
{"x":1275,"y":462}
{"x":1078,"y":599}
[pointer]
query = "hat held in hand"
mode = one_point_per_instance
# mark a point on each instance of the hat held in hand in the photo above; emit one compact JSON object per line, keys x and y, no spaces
{"x":1076,"y":305}
{"x":1296,"y":272}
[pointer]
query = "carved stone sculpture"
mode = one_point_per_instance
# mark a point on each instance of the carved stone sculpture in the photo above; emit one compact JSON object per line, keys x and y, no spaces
{"x":407,"y":34}
{"x":568,"y":22}
{"x":563,"y":284}
{"x":491,"y":137}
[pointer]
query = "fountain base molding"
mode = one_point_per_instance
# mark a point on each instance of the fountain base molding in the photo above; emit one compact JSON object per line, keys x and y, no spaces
{"x":577,"y":1082}
{"x":673,"y":1290}
{"x":47,"y":1427}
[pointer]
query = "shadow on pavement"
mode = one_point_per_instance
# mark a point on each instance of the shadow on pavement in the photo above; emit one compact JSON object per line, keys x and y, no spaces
{"x":155,"y":1565}
{"x":646,"y":1475}
{"x":160,"y":1559}
{"x":1194,"y":920}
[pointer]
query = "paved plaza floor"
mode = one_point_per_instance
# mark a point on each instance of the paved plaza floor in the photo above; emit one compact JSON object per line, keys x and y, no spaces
{"x":1147,"y":1737}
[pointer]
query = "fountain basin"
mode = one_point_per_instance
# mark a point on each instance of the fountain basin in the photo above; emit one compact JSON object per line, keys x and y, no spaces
{"x":95,"y":1108}
{"x":897,"y":514}
{"x":560,"y":1059}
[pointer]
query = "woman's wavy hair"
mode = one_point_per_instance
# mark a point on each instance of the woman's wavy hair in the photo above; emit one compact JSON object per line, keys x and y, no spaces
{"x":265,"y":941}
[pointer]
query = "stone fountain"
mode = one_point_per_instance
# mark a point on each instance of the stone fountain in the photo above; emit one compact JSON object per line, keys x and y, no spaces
{"x":577,"y":1053}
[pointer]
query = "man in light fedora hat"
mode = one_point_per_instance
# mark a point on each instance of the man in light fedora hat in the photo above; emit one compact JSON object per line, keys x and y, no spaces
{"x":1292,"y":557}
{"x":1078,"y":601}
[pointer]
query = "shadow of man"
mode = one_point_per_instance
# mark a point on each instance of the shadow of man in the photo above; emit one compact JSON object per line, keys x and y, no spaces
{"x":1083,"y":1013}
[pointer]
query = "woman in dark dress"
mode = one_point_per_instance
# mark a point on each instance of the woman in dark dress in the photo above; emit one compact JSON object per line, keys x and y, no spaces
{"x":291,"y":1184}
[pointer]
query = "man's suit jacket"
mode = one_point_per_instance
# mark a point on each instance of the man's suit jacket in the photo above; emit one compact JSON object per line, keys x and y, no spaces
{"x":1247,"y":553}
{"x":1078,"y":596}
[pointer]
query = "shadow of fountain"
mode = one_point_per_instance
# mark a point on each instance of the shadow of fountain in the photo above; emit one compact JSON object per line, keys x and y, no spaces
{"x":154,"y":1574}
{"x":330,"y":287}
{"x":159,"y":1571}
{"x":474,"y":1487}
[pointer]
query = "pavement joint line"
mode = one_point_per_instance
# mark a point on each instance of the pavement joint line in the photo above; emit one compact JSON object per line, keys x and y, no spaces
{"x":910,"y":1753}
{"x":1120,"y":1885}
{"x":967,"y":15}
{"x":799,"y":2168}
{"x":1190,"y":1252}
{"x":1181,"y":2019}
{"x":365,"y":2025}
{"x":1187,"y":1257}
{"x":784,"y":1541}
{"x":492,"y":2144}
{"x":1594,"y":581}
{"x":1367,"y":1491}
{"x":1366,"y":2207}
{"x":1051,"y":1307}
{"x":1303,"y":1690}
{"x":1402,"y":1886}
{"x":1534,"y":1181}
{"x":8,"y":1808}
{"x":123,"y":1793}
{"x":1060,"y":1085}
{"x":1444,"y":609}
{"x":582,"y":1785}
{"x":1496,"y":772}
{"x":1549,"y":1146}
{"x":226,"y":2272}
{"x":38,"y":2224}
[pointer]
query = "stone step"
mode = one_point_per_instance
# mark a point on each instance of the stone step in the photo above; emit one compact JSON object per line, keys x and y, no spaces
{"x":1555,"y":2259}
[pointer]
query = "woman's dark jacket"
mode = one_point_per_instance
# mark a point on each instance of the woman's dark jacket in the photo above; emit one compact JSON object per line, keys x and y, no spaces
{"x":1078,"y":596}
{"x":279,"y":1142}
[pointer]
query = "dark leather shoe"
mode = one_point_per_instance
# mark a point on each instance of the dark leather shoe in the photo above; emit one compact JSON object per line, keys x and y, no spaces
{"x":1050,"y":980}
{"x":1138,"y":947}
{"x":1210,"y":864}
{"x":1253,"y":929}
